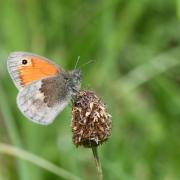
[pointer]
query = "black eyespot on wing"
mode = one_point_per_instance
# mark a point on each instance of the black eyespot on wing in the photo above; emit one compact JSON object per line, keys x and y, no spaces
{"x":24,"y":61}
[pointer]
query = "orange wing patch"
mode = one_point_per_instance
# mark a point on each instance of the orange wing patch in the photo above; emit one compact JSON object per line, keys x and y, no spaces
{"x":36,"y":69}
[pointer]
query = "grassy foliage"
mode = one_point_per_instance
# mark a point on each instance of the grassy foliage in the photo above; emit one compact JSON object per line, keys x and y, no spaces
{"x":136,"y":48}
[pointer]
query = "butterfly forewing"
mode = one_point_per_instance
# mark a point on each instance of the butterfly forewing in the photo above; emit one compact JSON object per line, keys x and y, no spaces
{"x":25,"y":68}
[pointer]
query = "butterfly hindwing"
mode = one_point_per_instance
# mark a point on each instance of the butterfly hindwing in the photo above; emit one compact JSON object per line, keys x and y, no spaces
{"x":41,"y":103}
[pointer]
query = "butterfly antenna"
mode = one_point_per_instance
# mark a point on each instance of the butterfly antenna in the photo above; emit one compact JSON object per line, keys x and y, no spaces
{"x":91,"y":61}
{"x":77,"y":62}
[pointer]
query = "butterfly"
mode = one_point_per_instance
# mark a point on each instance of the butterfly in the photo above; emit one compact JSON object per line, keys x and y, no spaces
{"x":45,"y":88}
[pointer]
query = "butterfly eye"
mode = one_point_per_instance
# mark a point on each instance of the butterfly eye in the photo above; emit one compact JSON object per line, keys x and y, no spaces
{"x":65,"y":78}
{"x":24,"y":61}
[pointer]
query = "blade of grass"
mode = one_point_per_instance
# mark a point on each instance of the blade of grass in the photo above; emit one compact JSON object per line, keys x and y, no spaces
{"x":22,"y":154}
{"x":118,"y":33}
{"x":13,"y":133}
{"x":147,"y":71}
{"x":178,"y":9}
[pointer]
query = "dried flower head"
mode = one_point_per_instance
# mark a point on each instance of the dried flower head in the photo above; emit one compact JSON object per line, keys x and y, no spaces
{"x":91,"y":124}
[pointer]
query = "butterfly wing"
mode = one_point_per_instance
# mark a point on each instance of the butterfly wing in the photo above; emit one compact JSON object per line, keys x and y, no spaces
{"x":43,"y":100}
{"x":24,"y":68}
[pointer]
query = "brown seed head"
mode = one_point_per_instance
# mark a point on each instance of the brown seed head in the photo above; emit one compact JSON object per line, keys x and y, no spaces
{"x":91,"y":124}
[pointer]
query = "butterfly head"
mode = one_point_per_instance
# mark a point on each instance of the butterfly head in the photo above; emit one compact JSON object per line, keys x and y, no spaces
{"x":75,"y":81}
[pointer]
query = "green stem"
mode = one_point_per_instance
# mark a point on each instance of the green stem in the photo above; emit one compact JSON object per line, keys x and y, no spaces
{"x":98,"y":163}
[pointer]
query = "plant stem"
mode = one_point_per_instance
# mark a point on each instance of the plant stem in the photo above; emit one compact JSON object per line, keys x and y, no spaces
{"x":98,"y":163}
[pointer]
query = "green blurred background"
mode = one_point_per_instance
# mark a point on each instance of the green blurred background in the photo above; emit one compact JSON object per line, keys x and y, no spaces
{"x":136,"y":48}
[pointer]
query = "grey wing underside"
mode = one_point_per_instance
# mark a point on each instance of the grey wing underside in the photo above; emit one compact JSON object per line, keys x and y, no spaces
{"x":31,"y":103}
